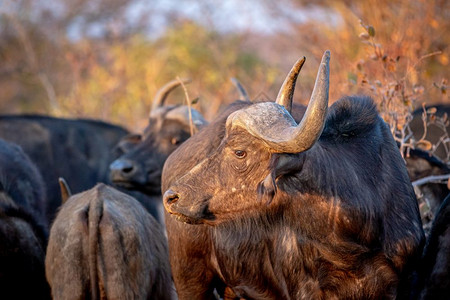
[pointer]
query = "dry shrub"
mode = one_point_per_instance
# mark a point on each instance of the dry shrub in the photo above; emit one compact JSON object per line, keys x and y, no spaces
{"x":397,"y":92}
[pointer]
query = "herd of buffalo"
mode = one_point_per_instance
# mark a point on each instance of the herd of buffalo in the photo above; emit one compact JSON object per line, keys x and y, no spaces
{"x":268,"y":200}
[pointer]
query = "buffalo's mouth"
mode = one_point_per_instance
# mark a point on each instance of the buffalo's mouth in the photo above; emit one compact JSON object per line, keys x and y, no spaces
{"x":201,"y":215}
{"x":186,"y":219}
{"x":208,"y":219}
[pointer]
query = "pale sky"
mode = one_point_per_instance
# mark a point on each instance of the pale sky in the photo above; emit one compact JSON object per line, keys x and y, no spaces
{"x":223,"y":16}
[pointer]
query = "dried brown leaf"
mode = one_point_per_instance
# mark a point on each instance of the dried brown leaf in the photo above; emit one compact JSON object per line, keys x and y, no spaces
{"x":431,"y":110}
{"x":424,"y":145}
{"x":418,"y":89}
{"x":195,"y":100}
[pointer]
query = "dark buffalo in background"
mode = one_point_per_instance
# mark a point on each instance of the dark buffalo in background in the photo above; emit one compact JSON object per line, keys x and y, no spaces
{"x":104,"y":245}
{"x":140,"y":167}
{"x":23,"y":231}
{"x":269,"y":219}
{"x":434,"y":132}
{"x":434,"y":271}
{"x":21,"y":180}
{"x":421,"y":165}
{"x":79,"y":150}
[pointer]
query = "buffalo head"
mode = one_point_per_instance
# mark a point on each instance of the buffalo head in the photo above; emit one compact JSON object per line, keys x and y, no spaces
{"x":260,"y":144}
{"x":141,"y":164}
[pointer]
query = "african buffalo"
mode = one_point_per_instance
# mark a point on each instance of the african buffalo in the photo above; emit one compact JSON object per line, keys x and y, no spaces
{"x":79,"y":150}
{"x":276,"y":210}
{"x":104,"y":245}
{"x":23,"y":232}
{"x":430,"y":194}
{"x":434,"y":272}
{"x":169,"y":126}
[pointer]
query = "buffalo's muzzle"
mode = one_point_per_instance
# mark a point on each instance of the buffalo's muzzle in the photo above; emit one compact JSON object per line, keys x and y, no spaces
{"x":122,"y":169}
{"x":169,"y":198}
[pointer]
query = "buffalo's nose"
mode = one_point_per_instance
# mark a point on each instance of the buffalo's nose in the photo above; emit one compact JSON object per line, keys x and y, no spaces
{"x":122,"y":167}
{"x":170,"y":197}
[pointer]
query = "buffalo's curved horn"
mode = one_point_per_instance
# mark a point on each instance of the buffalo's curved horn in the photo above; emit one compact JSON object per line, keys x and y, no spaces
{"x":274,"y":125}
{"x":163,"y":92}
{"x":65,"y":190}
{"x":242,"y":92}
{"x":302,"y":137}
{"x":286,"y":93}
{"x":181,"y":113}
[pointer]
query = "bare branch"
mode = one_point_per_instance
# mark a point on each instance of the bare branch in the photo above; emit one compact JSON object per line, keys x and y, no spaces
{"x":186,"y":95}
{"x":442,"y":179}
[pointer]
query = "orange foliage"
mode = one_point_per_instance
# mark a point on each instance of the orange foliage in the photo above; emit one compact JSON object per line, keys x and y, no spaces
{"x":399,"y":56}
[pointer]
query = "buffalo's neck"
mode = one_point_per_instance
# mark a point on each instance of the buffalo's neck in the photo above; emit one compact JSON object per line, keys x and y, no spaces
{"x":244,"y":251}
{"x":265,"y":257}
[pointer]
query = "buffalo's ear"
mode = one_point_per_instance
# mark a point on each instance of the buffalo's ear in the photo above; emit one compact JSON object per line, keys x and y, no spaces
{"x":65,"y":190}
{"x":280,"y":165}
{"x":283,"y":164}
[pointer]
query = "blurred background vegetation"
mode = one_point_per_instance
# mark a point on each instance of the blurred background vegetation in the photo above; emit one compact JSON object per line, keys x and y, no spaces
{"x":106,"y":59}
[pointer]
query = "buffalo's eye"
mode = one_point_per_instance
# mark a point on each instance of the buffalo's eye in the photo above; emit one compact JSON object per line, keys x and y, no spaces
{"x":240,"y":153}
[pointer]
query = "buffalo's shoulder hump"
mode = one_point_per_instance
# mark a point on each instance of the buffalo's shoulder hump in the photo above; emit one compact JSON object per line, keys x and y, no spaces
{"x":351,"y":117}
